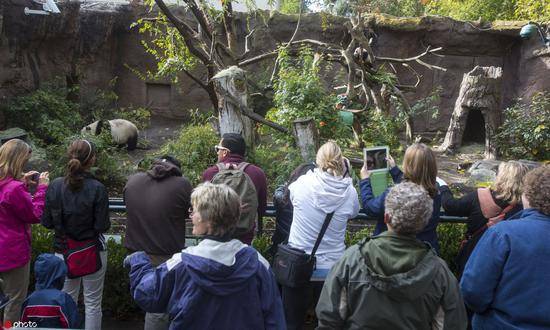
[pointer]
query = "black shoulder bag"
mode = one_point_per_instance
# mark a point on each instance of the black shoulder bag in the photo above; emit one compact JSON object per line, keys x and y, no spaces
{"x":293,"y":267}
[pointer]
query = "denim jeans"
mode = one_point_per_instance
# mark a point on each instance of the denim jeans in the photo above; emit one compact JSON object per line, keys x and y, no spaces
{"x":93,"y":293}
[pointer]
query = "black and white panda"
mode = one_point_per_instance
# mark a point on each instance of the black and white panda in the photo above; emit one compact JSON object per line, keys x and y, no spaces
{"x":123,"y":132}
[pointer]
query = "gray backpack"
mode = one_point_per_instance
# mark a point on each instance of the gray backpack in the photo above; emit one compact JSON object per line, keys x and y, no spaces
{"x":235,"y":177}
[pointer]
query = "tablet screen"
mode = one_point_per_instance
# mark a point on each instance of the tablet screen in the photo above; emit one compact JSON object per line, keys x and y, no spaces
{"x":376,"y":158}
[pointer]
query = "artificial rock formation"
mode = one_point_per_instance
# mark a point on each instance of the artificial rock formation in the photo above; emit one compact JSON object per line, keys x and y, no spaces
{"x":480,"y":90}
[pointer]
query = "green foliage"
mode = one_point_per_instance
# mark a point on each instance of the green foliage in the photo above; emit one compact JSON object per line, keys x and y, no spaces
{"x":46,"y":113}
{"x":450,"y":235}
{"x":262,"y":243}
{"x":526,"y":129}
{"x":194,"y":148}
{"x":534,"y":10}
{"x":381,"y":129}
{"x":392,"y":7}
{"x":277,"y":161}
{"x":166,"y":45}
{"x":116,"y":291}
{"x":299,"y":93}
{"x":354,"y":238}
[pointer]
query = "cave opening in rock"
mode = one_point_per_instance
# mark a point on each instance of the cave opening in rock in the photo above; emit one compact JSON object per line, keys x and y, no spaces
{"x":474,"y":132}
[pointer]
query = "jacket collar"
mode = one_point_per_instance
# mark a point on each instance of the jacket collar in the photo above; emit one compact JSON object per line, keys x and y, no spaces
{"x":233,"y":159}
{"x":530,"y":213}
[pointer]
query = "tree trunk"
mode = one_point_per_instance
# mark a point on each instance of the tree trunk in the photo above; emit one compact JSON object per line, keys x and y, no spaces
{"x":307,"y":138}
{"x":480,"y":89}
{"x":230,"y":86}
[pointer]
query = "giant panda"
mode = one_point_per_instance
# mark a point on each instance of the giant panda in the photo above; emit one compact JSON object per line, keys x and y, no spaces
{"x":123,"y":132}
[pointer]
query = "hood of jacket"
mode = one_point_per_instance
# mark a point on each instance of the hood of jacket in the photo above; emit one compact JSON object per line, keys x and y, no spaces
{"x":221,"y":268}
{"x":401,"y":266}
{"x":50,"y":272}
{"x":161,"y":170}
{"x":328,"y":192}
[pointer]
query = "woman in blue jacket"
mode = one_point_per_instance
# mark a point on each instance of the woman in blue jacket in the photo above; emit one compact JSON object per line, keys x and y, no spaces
{"x":220,"y":283}
{"x":505,"y":281}
{"x":420,"y":167}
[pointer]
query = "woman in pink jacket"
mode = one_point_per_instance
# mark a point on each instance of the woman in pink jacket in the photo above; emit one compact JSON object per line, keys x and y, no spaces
{"x":18,"y":210}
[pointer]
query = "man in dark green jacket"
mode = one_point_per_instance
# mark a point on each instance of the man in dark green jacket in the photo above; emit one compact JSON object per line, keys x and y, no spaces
{"x":393,"y":281}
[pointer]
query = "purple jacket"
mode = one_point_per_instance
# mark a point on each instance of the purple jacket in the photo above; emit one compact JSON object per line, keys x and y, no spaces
{"x":18,"y":210}
{"x":258,"y":178}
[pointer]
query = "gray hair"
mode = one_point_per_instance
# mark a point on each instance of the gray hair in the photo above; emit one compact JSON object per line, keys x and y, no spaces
{"x":409,"y":207}
{"x":219,"y":205}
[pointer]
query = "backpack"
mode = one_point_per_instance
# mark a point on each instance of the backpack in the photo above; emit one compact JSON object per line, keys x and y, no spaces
{"x":234,"y":176}
{"x":494,"y":215}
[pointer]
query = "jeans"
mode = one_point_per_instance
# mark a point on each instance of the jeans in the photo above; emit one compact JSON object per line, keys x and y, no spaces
{"x":93,"y":293}
{"x":15,"y":285}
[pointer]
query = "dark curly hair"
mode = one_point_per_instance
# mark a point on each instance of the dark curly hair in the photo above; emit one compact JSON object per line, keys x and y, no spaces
{"x":536,"y":188}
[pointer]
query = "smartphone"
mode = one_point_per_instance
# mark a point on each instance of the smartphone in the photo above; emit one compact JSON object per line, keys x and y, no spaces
{"x":35,"y":177}
{"x":376,"y":158}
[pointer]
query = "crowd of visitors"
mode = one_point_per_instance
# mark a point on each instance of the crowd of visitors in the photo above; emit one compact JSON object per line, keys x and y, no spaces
{"x":392,"y":280}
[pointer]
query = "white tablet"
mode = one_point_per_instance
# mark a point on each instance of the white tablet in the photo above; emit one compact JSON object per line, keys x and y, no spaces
{"x":376,"y":158}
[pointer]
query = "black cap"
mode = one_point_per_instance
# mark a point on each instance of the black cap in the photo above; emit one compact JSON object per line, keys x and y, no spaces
{"x":234,"y":142}
{"x":171,"y":159}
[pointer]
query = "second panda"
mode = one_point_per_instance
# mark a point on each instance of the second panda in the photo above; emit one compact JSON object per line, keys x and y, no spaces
{"x":123,"y":132}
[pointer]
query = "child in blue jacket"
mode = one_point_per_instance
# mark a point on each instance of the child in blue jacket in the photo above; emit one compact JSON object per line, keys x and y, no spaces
{"x":48,"y":306}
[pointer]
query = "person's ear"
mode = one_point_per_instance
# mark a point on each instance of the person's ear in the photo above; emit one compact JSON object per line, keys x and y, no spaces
{"x":387,"y":218}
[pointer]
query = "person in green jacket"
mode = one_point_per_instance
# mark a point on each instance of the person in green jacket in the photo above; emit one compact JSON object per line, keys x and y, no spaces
{"x":393,"y":280}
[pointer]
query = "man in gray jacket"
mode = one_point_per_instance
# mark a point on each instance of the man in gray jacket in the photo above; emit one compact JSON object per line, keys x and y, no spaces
{"x":393,"y":281}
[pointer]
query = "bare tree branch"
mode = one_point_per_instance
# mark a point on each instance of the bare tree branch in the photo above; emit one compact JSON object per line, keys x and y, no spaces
{"x":200,"y":16}
{"x":188,"y":34}
{"x":416,"y":58}
{"x":229,"y":28}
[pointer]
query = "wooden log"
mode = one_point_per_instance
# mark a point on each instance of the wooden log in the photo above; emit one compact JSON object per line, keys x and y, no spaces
{"x":480,"y":89}
{"x":230,"y":87}
{"x":307,"y":137}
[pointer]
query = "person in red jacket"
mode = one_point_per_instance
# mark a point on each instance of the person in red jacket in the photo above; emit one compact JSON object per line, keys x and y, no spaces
{"x":18,"y":210}
{"x":231,"y":150}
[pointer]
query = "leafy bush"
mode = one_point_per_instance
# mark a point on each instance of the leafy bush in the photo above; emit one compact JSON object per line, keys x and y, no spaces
{"x":277,"y":162}
{"x":299,"y":93}
{"x":525,"y":132}
{"x":450,"y":235}
{"x":45,"y":113}
{"x":194,"y":148}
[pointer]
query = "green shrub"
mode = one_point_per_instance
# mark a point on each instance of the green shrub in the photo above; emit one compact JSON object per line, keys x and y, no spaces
{"x":194,"y":148}
{"x":450,"y":235}
{"x":46,"y":114}
{"x":262,"y":243}
{"x":299,"y":93}
{"x":277,"y":161}
{"x":525,"y":132}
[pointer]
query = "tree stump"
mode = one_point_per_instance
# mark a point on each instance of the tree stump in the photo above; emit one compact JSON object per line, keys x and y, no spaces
{"x":230,"y":87}
{"x":307,"y":138}
{"x":480,"y":89}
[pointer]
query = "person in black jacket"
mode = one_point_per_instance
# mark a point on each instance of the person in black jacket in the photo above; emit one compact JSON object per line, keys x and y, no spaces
{"x":283,"y":207}
{"x":500,"y":201}
{"x":77,"y":208}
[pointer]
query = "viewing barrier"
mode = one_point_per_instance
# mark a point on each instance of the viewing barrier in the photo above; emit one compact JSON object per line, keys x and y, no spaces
{"x":117,"y":205}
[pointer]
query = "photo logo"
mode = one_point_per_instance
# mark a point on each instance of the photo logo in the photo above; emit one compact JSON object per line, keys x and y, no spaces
{"x":19,"y":324}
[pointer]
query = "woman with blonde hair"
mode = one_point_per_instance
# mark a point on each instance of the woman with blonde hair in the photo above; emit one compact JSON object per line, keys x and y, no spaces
{"x":18,"y":210}
{"x":420,"y":167}
{"x":326,"y":189}
{"x":486,"y":206}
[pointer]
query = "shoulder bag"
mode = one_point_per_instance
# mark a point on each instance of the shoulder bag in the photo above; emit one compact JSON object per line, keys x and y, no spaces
{"x":293,"y":267}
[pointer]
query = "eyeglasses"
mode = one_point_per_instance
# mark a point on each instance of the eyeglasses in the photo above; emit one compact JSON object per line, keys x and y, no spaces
{"x":218,"y":148}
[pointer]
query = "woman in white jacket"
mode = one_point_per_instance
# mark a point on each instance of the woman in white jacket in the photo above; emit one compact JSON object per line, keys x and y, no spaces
{"x":329,"y":188}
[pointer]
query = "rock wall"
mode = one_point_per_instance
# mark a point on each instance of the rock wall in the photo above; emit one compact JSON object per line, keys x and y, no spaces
{"x":92,"y":43}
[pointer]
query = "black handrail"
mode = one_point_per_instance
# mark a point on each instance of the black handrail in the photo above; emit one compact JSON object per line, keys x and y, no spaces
{"x":117,"y":205}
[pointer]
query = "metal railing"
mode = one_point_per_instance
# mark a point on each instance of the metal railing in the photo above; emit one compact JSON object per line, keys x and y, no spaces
{"x":117,"y":205}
